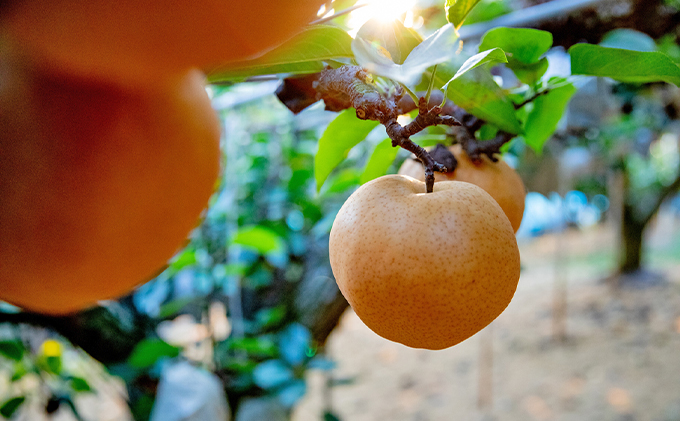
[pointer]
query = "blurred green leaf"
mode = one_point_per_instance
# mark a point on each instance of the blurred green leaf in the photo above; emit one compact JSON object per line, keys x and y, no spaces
{"x":628,"y":39}
{"x":380,"y":161}
{"x":184,"y":259}
{"x":457,"y":10}
{"x":437,"y":48}
{"x":487,"y":10}
{"x":246,"y":366}
{"x":10,"y":406}
{"x":545,"y":115}
{"x":522,"y":44}
{"x":393,"y":36}
{"x":262,"y":346}
{"x":52,"y":364}
{"x":329,"y":416}
{"x":311,"y":211}
{"x":270,"y":316}
{"x":429,"y":140}
{"x":487,"y":132}
{"x":235,"y":269}
{"x":14,"y":350}
{"x":341,"y":135}
{"x":339,"y":6}
{"x":141,"y":408}
{"x":623,"y":65}
{"x":668,"y":46}
{"x":69,"y":402}
{"x":304,"y":53}
{"x":345,"y":179}
{"x":260,"y":238}
{"x":79,"y":384}
{"x":529,"y":73}
{"x":147,"y":352}
{"x":19,"y":372}
{"x":173,"y":307}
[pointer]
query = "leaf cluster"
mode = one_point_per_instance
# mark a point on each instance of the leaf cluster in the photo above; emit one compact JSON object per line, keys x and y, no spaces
{"x":58,"y":384}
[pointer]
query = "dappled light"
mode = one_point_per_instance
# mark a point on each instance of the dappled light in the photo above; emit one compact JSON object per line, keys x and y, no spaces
{"x":384,"y":11}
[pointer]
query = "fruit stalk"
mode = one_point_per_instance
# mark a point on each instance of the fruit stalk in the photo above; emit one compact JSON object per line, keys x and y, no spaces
{"x":352,"y":86}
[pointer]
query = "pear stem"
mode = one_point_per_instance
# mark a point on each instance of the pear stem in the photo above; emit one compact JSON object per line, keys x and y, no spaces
{"x":353,"y":87}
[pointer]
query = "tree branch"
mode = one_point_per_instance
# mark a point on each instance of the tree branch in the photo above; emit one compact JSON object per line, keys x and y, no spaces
{"x":352,"y":86}
{"x":531,"y":98}
{"x":665,"y":192}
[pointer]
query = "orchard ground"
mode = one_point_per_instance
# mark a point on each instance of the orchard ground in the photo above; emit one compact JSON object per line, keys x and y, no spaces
{"x":620,"y":360}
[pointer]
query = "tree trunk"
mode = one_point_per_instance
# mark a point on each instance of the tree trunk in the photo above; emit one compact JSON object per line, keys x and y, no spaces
{"x":630,"y":253}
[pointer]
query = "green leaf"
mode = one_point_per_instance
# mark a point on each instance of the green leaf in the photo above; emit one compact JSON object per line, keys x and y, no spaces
{"x":341,"y":135}
{"x":382,"y":157}
{"x":304,"y":53}
{"x":477,"y":93}
{"x":10,"y":406}
{"x":72,"y":406}
{"x":261,"y":346}
{"x":487,"y":132}
{"x":546,"y":114}
{"x":147,"y":352}
{"x":14,"y":350}
{"x":19,"y":372}
{"x":524,"y":48}
{"x":52,"y":364}
{"x":173,"y":307}
{"x":628,"y":39}
{"x":259,"y":238}
{"x":457,"y":10}
{"x":668,"y":46}
{"x":522,"y":44}
{"x":79,"y":384}
{"x":437,"y":48}
{"x":529,"y":73}
{"x":487,"y":10}
{"x":428,"y":140}
{"x":329,"y":416}
{"x":246,"y":366}
{"x":393,"y":36}
{"x":141,"y":408}
{"x":623,"y":65}
{"x":493,"y":56}
{"x":347,"y":178}
{"x":271,"y":316}
{"x":182,"y":260}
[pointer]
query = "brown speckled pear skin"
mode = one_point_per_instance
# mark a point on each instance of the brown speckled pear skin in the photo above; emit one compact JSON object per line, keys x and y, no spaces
{"x":424,"y":270}
{"x":496,"y":178}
